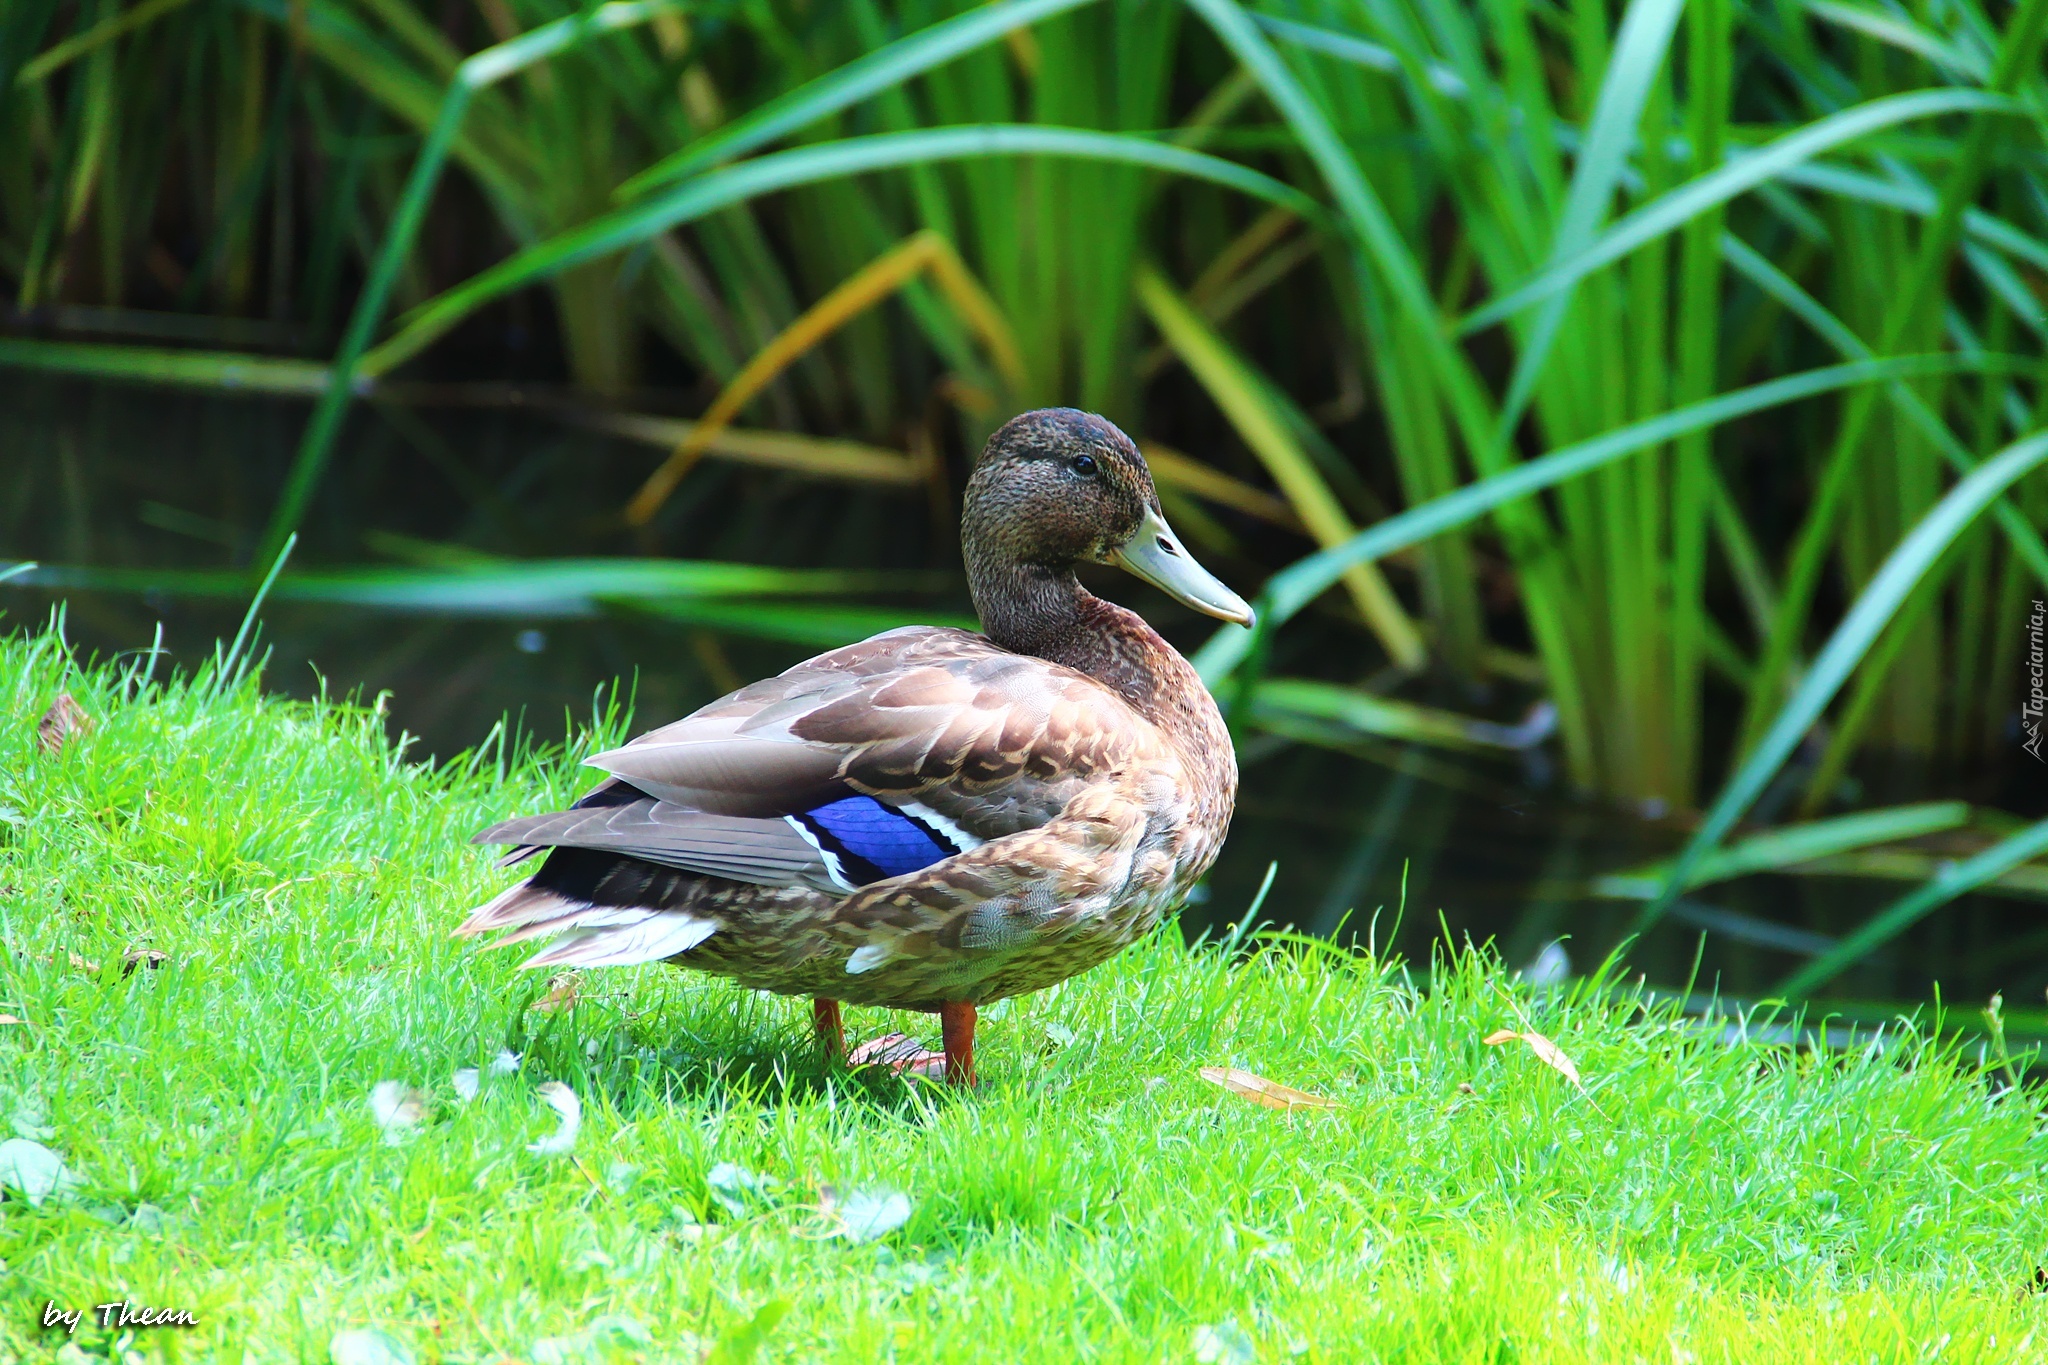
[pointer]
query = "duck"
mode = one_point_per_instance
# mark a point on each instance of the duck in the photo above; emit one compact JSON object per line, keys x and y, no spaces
{"x":930,"y":820}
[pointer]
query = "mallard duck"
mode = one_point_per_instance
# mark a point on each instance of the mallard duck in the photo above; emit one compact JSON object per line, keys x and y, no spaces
{"x":930,"y":819}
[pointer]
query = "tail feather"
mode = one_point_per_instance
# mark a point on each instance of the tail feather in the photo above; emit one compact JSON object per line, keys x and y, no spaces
{"x":659,"y":934}
{"x":584,"y":934}
{"x":518,"y":904}
{"x":578,"y":915}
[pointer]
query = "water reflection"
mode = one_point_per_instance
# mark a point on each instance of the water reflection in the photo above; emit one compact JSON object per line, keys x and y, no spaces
{"x":1401,"y":845}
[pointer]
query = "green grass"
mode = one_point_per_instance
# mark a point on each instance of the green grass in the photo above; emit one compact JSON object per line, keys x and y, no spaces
{"x":1094,"y":1200}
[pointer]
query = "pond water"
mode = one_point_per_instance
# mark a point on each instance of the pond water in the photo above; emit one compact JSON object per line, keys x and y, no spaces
{"x":1403,"y":844}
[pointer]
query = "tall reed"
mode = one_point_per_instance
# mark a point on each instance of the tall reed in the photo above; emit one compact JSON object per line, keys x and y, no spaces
{"x":1488,"y":231}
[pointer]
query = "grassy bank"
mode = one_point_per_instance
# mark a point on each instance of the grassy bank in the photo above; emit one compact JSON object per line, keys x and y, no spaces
{"x":727,"y":1193}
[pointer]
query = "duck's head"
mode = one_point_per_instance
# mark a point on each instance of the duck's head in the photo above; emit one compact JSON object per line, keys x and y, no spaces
{"x":1058,"y":486}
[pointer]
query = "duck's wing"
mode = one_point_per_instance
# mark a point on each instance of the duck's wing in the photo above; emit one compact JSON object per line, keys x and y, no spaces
{"x":989,"y":739}
{"x":864,"y":764}
{"x":618,"y":818}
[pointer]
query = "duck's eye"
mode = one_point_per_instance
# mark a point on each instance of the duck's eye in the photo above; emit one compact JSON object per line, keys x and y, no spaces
{"x":1084,"y":465}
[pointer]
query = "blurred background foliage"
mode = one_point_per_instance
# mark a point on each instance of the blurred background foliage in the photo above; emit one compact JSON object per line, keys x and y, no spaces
{"x":1685,"y":358}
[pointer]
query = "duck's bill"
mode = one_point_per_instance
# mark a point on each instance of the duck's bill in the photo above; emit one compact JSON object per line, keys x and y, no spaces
{"x":1156,"y":555}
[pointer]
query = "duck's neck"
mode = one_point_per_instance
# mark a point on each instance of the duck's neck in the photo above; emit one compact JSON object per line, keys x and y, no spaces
{"x":1044,"y":611}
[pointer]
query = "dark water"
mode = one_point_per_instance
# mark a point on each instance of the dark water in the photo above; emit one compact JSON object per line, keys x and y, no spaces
{"x":1405,"y":845}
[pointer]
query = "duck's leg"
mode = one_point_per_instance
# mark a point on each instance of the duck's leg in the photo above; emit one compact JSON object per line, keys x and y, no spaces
{"x":831,"y":1032}
{"x":956,"y":1025}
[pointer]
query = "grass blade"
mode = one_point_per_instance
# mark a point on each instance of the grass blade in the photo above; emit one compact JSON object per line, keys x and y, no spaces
{"x":1175,"y":470}
{"x":1919,"y":200}
{"x":821,"y":627}
{"x":1916,"y":302}
{"x":226,"y":671}
{"x":1345,"y":47}
{"x":1363,"y":210}
{"x":1903,"y":35}
{"x":21,"y":32}
{"x":476,"y":73}
{"x":1384,"y":252}
{"x":2025,"y":537}
{"x":72,"y":48}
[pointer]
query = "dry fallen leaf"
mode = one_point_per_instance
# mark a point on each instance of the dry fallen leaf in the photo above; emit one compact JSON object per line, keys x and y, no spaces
{"x":64,"y":719}
{"x":150,"y":958}
{"x":901,"y":1054}
{"x":1259,"y":1090}
{"x":6,"y":1019}
{"x":1547,"y":1052}
{"x":564,"y":989}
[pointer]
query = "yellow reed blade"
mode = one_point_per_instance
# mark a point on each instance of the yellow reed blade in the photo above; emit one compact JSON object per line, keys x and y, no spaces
{"x":1235,"y":391}
{"x":1251,"y":263}
{"x":814,"y":455}
{"x":881,"y":277}
{"x":976,"y":308}
{"x":1267,"y":229}
{"x":876,"y":281}
{"x":1174,"y":470}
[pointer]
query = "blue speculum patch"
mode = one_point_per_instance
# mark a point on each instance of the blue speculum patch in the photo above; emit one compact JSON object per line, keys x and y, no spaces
{"x":874,"y":840}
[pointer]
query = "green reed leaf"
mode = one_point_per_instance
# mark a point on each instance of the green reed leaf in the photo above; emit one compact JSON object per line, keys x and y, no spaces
{"x":845,"y":86}
{"x":719,"y":189}
{"x":1294,"y":587}
{"x":1888,"y":923}
{"x":1671,"y":211}
{"x":541,"y":588}
{"x":1901,"y":572}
